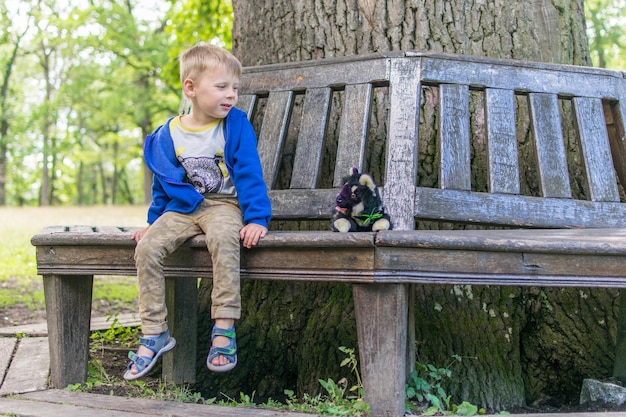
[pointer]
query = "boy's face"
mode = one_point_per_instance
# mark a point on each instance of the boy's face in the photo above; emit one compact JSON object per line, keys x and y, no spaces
{"x":212,"y":94}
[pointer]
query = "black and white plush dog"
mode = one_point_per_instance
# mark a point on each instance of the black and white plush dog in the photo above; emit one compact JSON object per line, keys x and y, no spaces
{"x":359,"y":207}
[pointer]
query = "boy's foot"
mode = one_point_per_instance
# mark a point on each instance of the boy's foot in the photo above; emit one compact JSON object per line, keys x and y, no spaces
{"x":150,"y":350}
{"x":223,"y":353}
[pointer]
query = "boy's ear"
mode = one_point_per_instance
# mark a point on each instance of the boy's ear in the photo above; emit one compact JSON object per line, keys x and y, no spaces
{"x":189,"y":88}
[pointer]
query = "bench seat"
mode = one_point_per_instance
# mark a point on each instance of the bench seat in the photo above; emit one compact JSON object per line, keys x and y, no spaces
{"x":531,"y":257}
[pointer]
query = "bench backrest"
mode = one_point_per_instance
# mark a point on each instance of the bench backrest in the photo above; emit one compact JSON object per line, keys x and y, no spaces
{"x":474,"y":119}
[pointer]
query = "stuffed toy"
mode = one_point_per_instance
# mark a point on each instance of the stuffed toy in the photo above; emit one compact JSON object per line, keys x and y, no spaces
{"x":359,"y":207}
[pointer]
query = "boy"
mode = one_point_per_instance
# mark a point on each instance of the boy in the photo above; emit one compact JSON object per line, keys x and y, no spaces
{"x":207,"y":179}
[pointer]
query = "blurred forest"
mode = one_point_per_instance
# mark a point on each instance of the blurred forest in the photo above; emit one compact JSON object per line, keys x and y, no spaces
{"x":84,"y":81}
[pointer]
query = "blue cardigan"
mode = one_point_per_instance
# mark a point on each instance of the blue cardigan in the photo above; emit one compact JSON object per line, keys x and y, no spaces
{"x":171,"y":193}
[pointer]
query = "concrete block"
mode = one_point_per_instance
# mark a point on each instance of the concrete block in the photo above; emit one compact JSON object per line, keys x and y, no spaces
{"x":605,"y":393}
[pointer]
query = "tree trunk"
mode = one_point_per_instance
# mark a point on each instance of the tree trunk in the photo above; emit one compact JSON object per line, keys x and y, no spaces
{"x":517,"y":345}
{"x":4,"y":115}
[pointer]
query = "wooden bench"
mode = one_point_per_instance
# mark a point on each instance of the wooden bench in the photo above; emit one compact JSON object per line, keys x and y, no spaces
{"x":554,"y":237}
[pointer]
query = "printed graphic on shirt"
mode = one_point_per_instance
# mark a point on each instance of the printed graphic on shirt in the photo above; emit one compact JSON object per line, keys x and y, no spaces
{"x":206,"y":174}
{"x":201,"y":153}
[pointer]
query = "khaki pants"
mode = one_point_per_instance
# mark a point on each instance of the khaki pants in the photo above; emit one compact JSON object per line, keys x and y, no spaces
{"x":221,"y":220}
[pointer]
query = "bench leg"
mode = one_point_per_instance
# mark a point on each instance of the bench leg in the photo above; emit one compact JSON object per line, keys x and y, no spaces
{"x":382,"y":314}
{"x":68,"y":311}
{"x":181,"y":297}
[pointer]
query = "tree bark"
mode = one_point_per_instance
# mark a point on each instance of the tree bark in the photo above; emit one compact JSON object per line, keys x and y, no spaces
{"x":518,"y":345}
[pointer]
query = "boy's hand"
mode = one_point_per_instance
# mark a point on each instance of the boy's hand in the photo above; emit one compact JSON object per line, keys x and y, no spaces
{"x":251,"y":233}
{"x":138,"y":234}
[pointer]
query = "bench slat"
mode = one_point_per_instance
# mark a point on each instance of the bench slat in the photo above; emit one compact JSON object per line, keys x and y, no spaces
{"x":307,"y":162}
{"x":503,"y":169}
{"x":512,"y":210}
{"x":353,"y":130}
{"x":273,"y":133}
{"x":321,"y":73}
{"x":246,"y":102}
{"x":299,"y":204}
{"x":615,"y":129}
{"x":550,"y":147}
{"x":594,"y":143}
{"x":454,"y":142}
{"x":521,"y":77}
{"x":401,"y":157}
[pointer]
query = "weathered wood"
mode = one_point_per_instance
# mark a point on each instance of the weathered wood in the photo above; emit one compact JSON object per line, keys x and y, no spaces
{"x":596,"y":149}
{"x":502,"y":141}
{"x":23,"y":375}
{"x":353,"y":130}
{"x":401,"y":157}
{"x":550,"y":148}
{"x":319,"y":73}
{"x":306,"y":169}
{"x":516,"y":211}
{"x":617,"y":139}
{"x":68,"y":312}
{"x":273,"y":132}
{"x":7,"y":346}
{"x":518,"y":75}
{"x":381,"y":314}
{"x":247,"y":103}
{"x":454,"y":142}
{"x":53,"y":403}
{"x":181,"y":298}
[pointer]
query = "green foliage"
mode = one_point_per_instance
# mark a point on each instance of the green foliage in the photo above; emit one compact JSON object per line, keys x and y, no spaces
{"x":606,"y":31}
{"x":193,"y":21}
{"x":338,"y":401}
{"x":93,"y":82}
{"x":424,"y":392}
{"x":19,"y":282}
{"x":115,"y":335}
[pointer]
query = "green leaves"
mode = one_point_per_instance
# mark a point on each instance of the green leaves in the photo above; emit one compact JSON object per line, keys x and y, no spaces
{"x":605,"y":28}
{"x":94,"y":79}
{"x":424,"y":388}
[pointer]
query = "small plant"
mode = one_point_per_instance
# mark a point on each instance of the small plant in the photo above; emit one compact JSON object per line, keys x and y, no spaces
{"x":115,"y":335}
{"x":424,"y":387}
{"x":353,"y":364}
{"x":339,"y":400}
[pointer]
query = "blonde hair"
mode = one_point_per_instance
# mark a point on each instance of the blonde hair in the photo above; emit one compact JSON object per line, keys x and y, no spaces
{"x":204,"y":56}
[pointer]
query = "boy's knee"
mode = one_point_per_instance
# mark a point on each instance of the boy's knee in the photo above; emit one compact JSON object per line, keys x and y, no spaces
{"x":145,"y":252}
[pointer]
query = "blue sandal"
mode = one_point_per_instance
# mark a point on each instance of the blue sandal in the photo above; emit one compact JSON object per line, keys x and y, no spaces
{"x":229,"y":351}
{"x":158,"y":344}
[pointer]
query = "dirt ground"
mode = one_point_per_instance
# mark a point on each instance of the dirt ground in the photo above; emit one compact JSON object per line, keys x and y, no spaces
{"x":19,"y":314}
{"x":113,"y":361}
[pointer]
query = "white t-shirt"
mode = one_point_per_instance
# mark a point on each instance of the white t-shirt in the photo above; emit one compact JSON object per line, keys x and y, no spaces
{"x":201,"y":152}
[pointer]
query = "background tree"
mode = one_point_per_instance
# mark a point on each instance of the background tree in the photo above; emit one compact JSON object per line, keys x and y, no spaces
{"x":607,"y":36}
{"x":11,"y":38}
{"x":505,"y":336}
{"x":139,"y":48}
{"x":92,"y":77}
{"x":193,"y":21}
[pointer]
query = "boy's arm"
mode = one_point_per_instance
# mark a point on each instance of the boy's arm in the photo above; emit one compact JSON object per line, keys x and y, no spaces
{"x":159,"y":201}
{"x":248,"y":178}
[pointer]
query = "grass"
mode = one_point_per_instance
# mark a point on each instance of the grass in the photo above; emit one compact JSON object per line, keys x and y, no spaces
{"x":18,"y":272}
